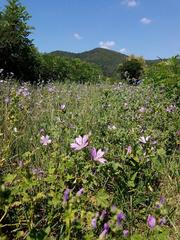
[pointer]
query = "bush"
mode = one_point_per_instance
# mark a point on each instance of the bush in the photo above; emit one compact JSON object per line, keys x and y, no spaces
{"x":131,"y":69}
{"x":66,"y":69}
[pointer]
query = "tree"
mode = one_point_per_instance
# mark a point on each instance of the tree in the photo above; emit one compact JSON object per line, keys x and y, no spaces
{"x":18,"y":54}
{"x":132,"y":68}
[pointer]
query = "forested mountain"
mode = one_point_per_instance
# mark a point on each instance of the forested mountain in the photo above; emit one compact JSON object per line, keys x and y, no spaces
{"x":107,"y":59}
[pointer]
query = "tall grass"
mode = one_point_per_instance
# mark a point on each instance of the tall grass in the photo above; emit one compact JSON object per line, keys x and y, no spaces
{"x":35,"y":203}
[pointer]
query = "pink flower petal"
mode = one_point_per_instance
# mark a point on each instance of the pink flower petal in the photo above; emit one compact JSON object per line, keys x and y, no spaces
{"x":79,"y":140}
{"x":101,"y":160}
{"x":85,"y":139}
{"x":100,"y":153}
{"x":93,"y":153}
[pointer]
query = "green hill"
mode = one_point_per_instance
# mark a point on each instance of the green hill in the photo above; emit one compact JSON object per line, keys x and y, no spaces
{"x":107,"y":59}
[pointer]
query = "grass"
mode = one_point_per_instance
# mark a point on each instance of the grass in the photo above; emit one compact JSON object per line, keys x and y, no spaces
{"x":34,"y":177}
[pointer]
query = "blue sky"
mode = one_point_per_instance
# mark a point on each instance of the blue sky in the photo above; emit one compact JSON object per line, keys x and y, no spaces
{"x":149,"y":28}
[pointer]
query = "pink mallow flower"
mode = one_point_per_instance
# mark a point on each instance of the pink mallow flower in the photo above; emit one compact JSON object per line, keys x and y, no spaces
{"x":45,"y":140}
{"x":98,"y":155}
{"x":151,"y":221}
{"x":80,"y":143}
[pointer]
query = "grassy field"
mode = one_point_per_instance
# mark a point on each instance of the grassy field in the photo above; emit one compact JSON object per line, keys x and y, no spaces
{"x":88,"y":162}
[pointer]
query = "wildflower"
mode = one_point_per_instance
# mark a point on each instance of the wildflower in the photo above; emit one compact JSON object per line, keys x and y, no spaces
{"x":45,"y":140}
{"x":171,"y":108}
{"x":129,"y":150}
{"x":162,"y":200}
{"x":66,"y":195}
{"x":111,"y":127}
{"x":151,"y":221}
{"x":120,"y":217}
{"x":24,"y":91}
{"x":15,"y":129}
{"x":37,"y":171}
{"x":7,"y":100}
{"x":51,"y":89}
{"x":80,"y":192}
{"x":63,"y":107}
{"x":113,"y":209}
{"x":144,"y":139}
{"x":1,"y":70}
{"x":103,"y":214}
{"x":178,"y":133}
{"x":94,"y":223}
{"x":98,"y":155}
{"x":104,"y":232}
{"x":125,"y":233}
{"x":80,"y":143}
{"x":142,"y":110}
{"x":162,"y":221}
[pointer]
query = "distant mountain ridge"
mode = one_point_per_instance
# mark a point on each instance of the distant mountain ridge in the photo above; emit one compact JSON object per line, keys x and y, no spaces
{"x":107,"y":60}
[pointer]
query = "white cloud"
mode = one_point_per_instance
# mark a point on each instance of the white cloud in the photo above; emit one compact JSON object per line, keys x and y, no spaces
{"x":145,"y":20}
{"x":107,"y":44}
{"x":130,"y":3}
{"x":77,"y":36}
{"x":123,"y":50}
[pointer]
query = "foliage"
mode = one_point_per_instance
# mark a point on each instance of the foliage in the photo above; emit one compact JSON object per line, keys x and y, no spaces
{"x":18,"y":54}
{"x":106,"y":59}
{"x":165,"y":74}
{"x":64,"y":69}
{"x":132,"y":68}
{"x":50,"y":191}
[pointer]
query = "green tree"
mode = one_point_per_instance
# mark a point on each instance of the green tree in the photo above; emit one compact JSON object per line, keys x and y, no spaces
{"x":131,"y":68}
{"x":18,"y":54}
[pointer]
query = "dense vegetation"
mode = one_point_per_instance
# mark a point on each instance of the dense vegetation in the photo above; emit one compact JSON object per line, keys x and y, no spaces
{"x":81,"y":158}
{"x":106,"y":59}
{"x":53,"y":189}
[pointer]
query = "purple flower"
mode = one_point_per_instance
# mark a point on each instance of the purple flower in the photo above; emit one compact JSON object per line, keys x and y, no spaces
{"x":162,"y":221}
{"x":129,"y":150}
{"x":66,"y":195}
{"x":162,"y":199}
{"x":161,"y":202}
{"x":51,"y":88}
{"x":104,"y":232}
{"x":45,"y":140}
{"x":125,"y":233}
{"x":80,"y":192}
{"x":80,"y":143}
{"x":151,"y":221}
{"x":98,"y":155}
{"x":120,"y":217}
{"x":24,"y":91}
{"x":94,"y":223}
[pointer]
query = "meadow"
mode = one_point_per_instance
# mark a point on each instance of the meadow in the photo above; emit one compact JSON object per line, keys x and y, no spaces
{"x":88,"y":161}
